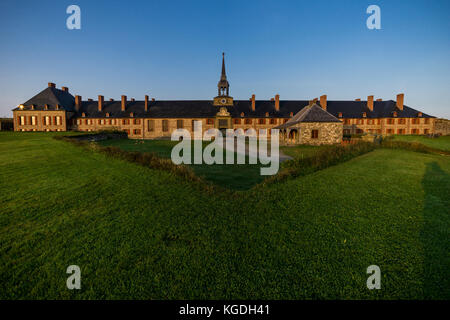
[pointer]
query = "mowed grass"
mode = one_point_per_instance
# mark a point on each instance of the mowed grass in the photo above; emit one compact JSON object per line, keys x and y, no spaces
{"x":236,"y":177}
{"x":442,"y":142}
{"x":146,"y":234}
{"x":301,"y":151}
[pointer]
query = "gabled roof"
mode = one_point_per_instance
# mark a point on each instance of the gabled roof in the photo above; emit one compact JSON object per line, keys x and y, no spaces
{"x":51,"y":96}
{"x":312,"y":113}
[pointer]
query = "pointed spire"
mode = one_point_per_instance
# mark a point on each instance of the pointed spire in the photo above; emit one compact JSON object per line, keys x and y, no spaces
{"x":224,"y":75}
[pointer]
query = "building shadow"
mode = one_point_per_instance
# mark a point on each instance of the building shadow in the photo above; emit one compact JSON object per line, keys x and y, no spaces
{"x":435,"y":234}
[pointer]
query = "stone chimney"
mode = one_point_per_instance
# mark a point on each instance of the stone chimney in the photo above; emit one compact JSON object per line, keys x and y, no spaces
{"x":253,"y":103}
{"x":323,"y":102}
{"x":100,"y":103}
{"x":400,"y":98}
{"x":370,"y":103}
{"x":77,"y":103}
{"x":65,"y":89}
{"x":277,"y":102}
{"x":124,"y":103}
{"x":51,"y":85}
{"x":146,"y":103}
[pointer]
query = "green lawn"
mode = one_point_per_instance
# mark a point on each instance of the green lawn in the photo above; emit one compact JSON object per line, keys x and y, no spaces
{"x":301,"y":151}
{"x":442,"y":142}
{"x":237,"y":177}
{"x":146,"y":234}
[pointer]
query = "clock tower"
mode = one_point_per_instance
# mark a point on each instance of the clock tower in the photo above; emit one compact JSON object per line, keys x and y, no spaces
{"x":223,"y":88}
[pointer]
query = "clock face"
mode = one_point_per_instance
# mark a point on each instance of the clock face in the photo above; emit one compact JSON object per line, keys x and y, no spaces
{"x":223,"y":101}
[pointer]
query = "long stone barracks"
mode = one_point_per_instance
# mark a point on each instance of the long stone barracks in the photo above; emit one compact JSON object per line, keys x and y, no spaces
{"x":315,"y":121}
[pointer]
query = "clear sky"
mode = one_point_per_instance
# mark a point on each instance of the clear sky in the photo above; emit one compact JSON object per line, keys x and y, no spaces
{"x":172,"y":50}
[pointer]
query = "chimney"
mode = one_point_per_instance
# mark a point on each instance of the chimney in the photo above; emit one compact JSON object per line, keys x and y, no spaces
{"x":100,"y":103}
{"x":124,"y":102}
{"x":132,"y":99}
{"x":323,"y":102}
{"x":358,"y":99}
{"x":277,"y":102}
{"x":77,"y":103}
{"x":400,"y":98}
{"x":111,"y":99}
{"x":370,"y":103}
{"x":146,"y":103}
{"x":65,"y":89}
{"x":379,"y":99}
{"x":51,"y":85}
{"x":253,"y":103}
{"x":153,"y":99}
{"x":90,"y":99}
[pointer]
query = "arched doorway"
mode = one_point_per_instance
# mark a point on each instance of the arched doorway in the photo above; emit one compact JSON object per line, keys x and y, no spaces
{"x":293,"y":136}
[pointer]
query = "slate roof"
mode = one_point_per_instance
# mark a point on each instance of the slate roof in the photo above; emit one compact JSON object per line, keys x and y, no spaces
{"x":206,"y":109}
{"x":312,"y":113}
{"x":51,"y":96}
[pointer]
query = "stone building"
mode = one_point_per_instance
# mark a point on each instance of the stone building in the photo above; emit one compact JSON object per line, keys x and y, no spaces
{"x":56,"y":109}
{"x":312,"y":125}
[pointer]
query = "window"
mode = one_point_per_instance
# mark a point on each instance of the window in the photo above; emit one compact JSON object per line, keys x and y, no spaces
{"x":340,"y":114}
{"x":427,"y":120}
{"x":273,"y":121}
{"x":389,"y":131}
{"x":359,"y":131}
{"x":262,"y":121}
{"x":286,"y":120}
{"x":180,"y":124}
{"x":426,"y":131}
{"x":58,"y":120}
{"x":193,"y":124}
{"x":401,"y":131}
{"x":314,"y":134}
{"x":151,"y":125}
{"x":415,"y":121}
{"x":136,"y":121}
{"x":237,"y":121}
{"x":209,"y":121}
{"x":165,"y":125}
{"x":47,"y":120}
{"x":248,"y":121}
{"x":137,"y":131}
{"x":379,"y":121}
{"x":401,"y":121}
{"x":223,"y":123}
{"x":346,"y":121}
{"x":390,"y":121}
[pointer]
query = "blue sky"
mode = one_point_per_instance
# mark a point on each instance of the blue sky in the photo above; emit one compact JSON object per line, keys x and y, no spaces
{"x":172,"y":50}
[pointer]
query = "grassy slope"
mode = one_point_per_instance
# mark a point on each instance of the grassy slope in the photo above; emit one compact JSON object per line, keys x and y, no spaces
{"x":237,"y":177}
{"x":442,"y":142}
{"x":139,"y":233}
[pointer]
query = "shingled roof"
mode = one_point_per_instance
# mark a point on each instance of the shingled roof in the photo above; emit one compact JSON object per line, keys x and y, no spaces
{"x":310,"y":113}
{"x":205,"y":108}
{"x":51,"y":96}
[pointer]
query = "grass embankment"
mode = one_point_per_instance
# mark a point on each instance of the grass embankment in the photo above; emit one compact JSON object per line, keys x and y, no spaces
{"x":146,"y":234}
{"x":441,"y":143}
{"x":236,"y":177}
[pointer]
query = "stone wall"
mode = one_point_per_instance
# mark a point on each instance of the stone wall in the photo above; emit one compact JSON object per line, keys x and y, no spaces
{"x":442,"y":126}
{"x":328,"y":133}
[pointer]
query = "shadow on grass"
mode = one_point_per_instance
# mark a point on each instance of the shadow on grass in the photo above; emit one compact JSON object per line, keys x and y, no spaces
{"x":435,"y":234}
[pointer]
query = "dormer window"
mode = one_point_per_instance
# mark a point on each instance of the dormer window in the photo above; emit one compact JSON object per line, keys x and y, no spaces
{"x":46,"y":107}
{"x":242,"y":114}
{"x":291,"y":114}
{"x":395,"y":113}
{"x":419,"y":114}
{"x":57,"y":107}
{"x":267,"y":114}
{"x":131,"y":114}
{"x":83,"y":114}
{"x":32,"y":107}
{"x":107,"y":114}
{"x":340,"y":114}
{"x":364,"y":114}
